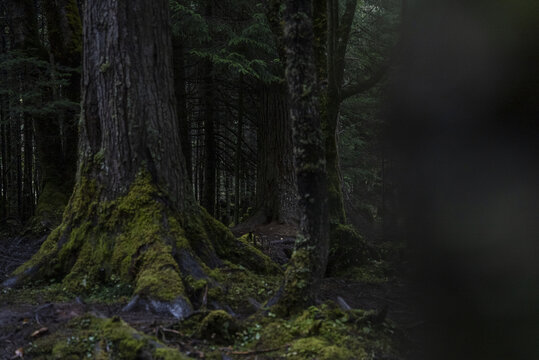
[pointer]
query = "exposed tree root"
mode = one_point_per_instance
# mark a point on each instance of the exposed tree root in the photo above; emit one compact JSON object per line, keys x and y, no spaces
{"x":141,"y":240}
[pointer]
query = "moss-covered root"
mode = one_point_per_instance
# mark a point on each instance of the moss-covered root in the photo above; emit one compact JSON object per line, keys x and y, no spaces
{"x":135,"y":238}
{"x":347,"y":249}
{"x":92,"y":338}
{"x":300,"y":288}
{"x":50,"y":207}
{"x":139,"y":239}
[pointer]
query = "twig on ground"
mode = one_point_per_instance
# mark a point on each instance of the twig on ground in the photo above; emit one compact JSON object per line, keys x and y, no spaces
{"x":251,"y":352}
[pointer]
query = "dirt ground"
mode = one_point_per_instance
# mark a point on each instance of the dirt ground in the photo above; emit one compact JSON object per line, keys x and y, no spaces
{"x":21,"y":323}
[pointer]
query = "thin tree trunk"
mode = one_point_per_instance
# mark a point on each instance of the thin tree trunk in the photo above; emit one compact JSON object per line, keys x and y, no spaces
{"x":28,"y":191}
{"x":57,"y":154}
{"x":228,"y":191}
{"x":18,"y":166}
{"x":238,"y":165}
{"x":3,"y":165}
{"x":11,"y":191}
{"x":210,"y":159}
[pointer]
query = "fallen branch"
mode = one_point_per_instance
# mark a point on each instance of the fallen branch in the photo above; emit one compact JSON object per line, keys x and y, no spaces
{"x":171,"y":331}
{"x":252,"y":352}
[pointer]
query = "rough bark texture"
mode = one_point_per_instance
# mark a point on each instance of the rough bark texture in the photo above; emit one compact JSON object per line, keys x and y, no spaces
{"x":308,"y":263}
{"x":132,"y":213}
{"x":332,"y":33}
{"x":179,"y":81}
{"x":276,"y":185}
{"x":128,"y":104}
{"x":276,"y":179}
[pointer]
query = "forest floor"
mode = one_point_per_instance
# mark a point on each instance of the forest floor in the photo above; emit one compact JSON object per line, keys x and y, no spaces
{"x":35,"y":312}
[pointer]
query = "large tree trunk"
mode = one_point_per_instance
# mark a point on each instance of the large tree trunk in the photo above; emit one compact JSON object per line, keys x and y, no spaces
{"x":308,"y":263}
{"x":276,"y":187}
{"x":132,"y":213}
{"x":181,"y":102}
{"x":276,"y":179}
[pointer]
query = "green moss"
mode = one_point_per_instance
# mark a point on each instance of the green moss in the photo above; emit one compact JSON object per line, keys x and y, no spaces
{"x":202,"y":229}
{"x":45,"y":255}
{"x":296,"y":296}
{"x":93,"y":338}
{"x":218,"y":326}
{"x":237,"y":285}
{"x":50,"y":205}
{"x":325,"y":332}
{"x":124,"y":237}
{"x":34,"y":294}
{"x":140,"y":239}
{"x":104,"y":67}
{"x":126,"y":341}
{"x":255,"y":259}
{"x":275,"y":335}
{"x":159,"y":277}
{"x":168,"y":354}
{"x":347,"y":248}
{"x":316,"y":348}
{"x":195,"y":285}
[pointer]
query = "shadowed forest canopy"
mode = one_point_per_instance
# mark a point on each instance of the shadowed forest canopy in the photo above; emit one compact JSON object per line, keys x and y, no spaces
{"x":268,"y":179}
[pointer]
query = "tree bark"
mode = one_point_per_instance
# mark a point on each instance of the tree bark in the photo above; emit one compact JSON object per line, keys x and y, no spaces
{"x":210,"y":151}
{"x":276,"y":179}
{"x":276,"y":185}
{"x":132,"y":213}
{"x":179,"y":82}
{"x":28,"y":190}
{"x":3,"y":173}
{"x":238,"y":165}
{"x":308,"y":263}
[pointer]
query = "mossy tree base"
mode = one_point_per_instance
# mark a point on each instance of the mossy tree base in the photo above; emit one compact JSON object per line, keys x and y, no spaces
{"x":347,"y":249}
{"x":140,"y":239}
{"x":50,"y":207}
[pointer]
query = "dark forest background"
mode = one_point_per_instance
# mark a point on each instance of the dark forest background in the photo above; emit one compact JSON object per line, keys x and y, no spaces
{"x":429,"y":113}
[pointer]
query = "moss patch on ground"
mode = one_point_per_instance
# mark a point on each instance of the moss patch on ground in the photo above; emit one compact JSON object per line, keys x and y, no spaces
{"x":89,"y":337}
{"x":237,"y":286}
{"x":324,"y":333}
{"x":347,"y":248}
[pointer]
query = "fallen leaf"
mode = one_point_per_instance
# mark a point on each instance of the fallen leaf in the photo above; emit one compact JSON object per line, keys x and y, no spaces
{"x":39,"y":332}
